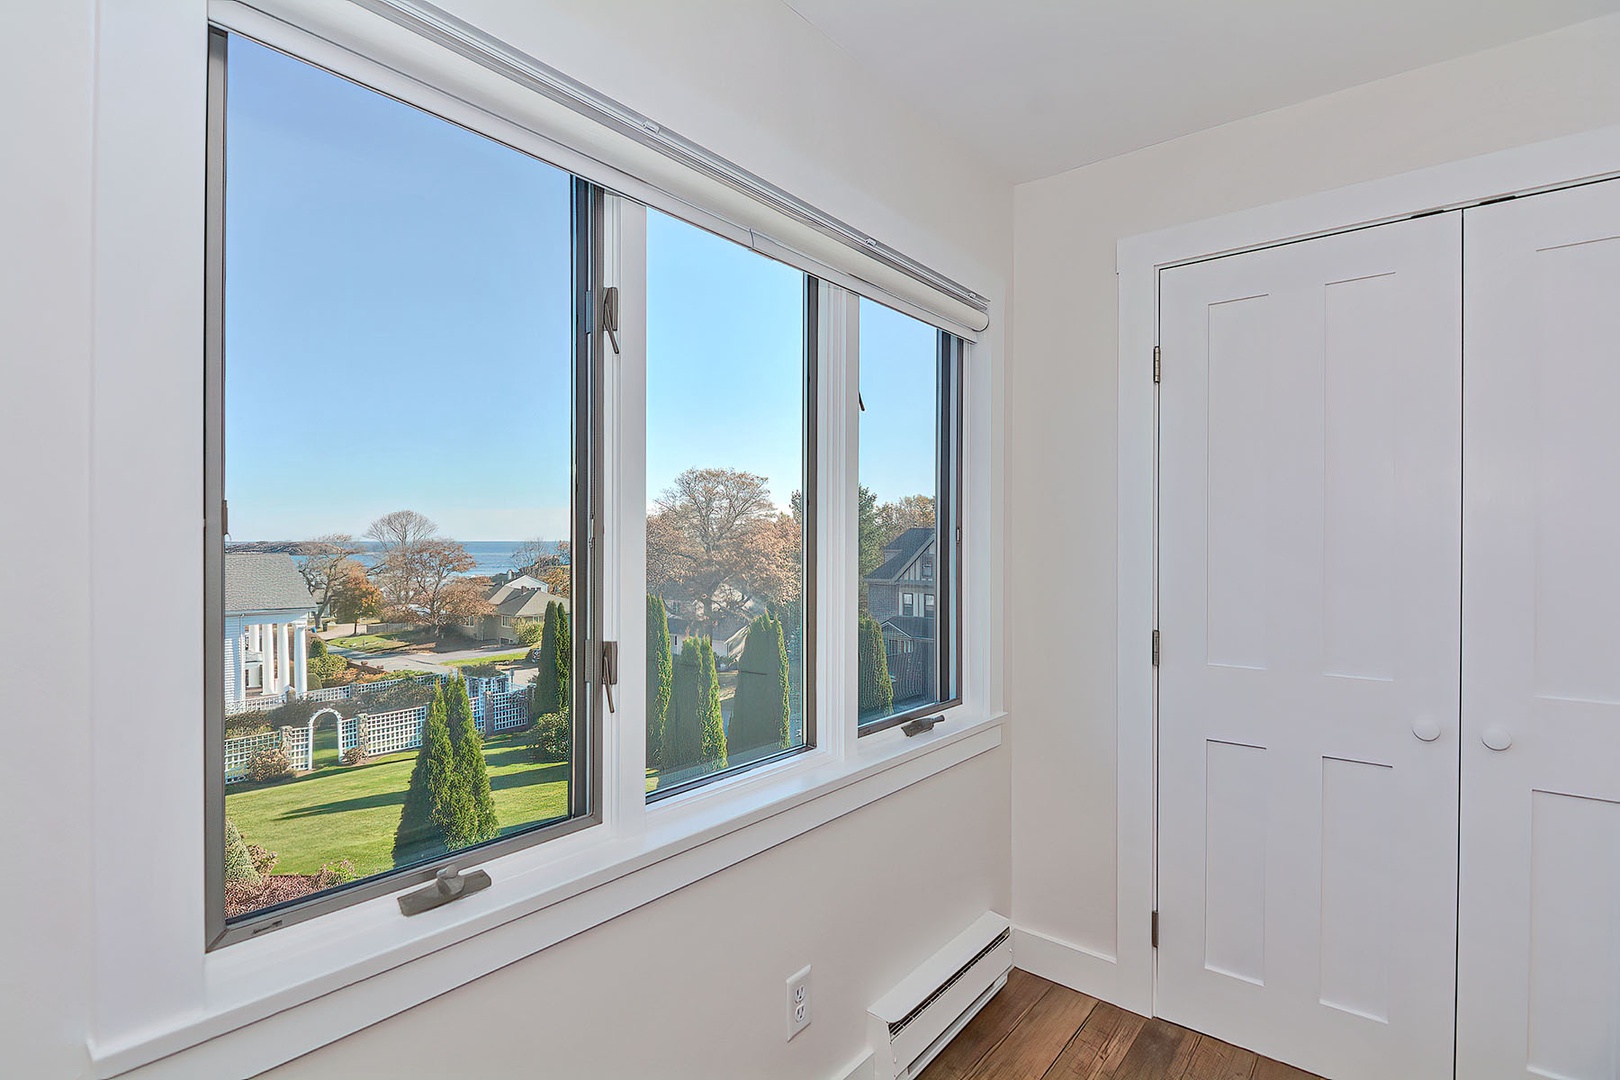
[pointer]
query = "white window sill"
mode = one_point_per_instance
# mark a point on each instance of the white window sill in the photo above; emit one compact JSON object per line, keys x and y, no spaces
{"x":359,"y":960}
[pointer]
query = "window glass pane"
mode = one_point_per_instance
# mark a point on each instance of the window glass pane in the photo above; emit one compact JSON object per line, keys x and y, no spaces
{"x":725,"y":522}
{"x":898,"y":647}
{"x":398,"y":436}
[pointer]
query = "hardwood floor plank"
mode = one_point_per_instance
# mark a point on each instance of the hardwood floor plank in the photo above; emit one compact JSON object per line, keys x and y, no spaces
{"x":1000,"y":1016}
{"x":1267,"y":1069}
{"x":1215,"y":1060}
{"x":1160,"y":1051}
{"x":1040,"y":1037}
{"x":1100,"y":1045}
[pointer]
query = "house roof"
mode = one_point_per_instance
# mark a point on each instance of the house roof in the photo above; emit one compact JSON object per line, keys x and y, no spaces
{"x":528,"y":603}
{"x":901,"y":551}
{"x":916,"y":627}
{"x":264,"y":581}
{"x":520,"y":583}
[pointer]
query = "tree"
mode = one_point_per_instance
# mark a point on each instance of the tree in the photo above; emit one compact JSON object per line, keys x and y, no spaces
{"x":559,"y":580}
{"x":660,"y":672}
{"x":324,"y":562}
{"x":463,"y":600}
{"x":695,"y":734}
{"x":418,"y":571}
{"x":716,"y":543}
{"x":354,"y":597}
{"x":544,"y":698}
{"x":563,"y":660}
{"x":870,"y":537}
{"x":909,"y":512}
{"x":475,"y":806}
{"x":760,"y":709}
{"x":239,"y":868}
{"x":433,"y":800}
{"x":536,"y":556}
{"x":876,"y":695}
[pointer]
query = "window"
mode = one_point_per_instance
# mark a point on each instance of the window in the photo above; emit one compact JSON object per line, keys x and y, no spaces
{"x":399,"y":392}
{"x":729,"y":361}
{"x":909,"y":438}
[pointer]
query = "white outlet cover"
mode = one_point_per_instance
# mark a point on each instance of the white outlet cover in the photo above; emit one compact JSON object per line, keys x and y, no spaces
{"x":798,"y":1001}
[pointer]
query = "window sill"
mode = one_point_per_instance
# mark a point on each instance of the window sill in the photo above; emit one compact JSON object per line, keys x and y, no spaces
{"x":368,"y":962}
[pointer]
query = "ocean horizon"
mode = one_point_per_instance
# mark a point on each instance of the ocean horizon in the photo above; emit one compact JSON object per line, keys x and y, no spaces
{"x":491,"y":556}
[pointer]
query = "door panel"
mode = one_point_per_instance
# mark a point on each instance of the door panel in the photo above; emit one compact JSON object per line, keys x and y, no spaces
{"x":1539,"y":935}
{"x":1309,"y":592}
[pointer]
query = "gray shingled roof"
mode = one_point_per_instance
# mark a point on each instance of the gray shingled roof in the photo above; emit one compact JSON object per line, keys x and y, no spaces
{"x":916,"y":627}
{"x":264,"y":581}
{"x":900,"y":551}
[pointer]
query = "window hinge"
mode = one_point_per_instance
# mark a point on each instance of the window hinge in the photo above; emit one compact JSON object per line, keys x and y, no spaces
{"x":224,"y":518}
{"x":1155,"y":929}
{"x":610,"y":315}
{"x":1156,"y":364}
{"x":1155,"y":648}
{"x":610,"y":671}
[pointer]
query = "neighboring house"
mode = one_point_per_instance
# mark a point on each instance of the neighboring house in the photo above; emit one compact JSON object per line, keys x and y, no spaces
{"x":521,"y":597}
{"x":902,"y":596}
{"x":267,"y":617}
{"x":728,"y":637}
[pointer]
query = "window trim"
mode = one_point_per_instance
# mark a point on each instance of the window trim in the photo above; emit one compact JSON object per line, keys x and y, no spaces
{"x":585,"y":761}
{"x":950,"y":352}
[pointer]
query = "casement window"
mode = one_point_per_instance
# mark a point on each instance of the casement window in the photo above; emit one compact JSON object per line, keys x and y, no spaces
{"x":910,"y":492}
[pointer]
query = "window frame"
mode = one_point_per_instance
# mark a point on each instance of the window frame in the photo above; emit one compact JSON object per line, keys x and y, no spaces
{"x":585,"y":759}
{"x":950,"y":364}
{"x":810,"y":382}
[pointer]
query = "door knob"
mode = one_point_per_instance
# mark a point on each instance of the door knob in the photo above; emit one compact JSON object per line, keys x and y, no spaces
{"x":1496,"y":737}
{"x":1426,"y":728}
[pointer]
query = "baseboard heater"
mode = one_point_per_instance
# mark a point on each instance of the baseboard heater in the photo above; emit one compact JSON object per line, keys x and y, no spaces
{"x":913,"y":1022}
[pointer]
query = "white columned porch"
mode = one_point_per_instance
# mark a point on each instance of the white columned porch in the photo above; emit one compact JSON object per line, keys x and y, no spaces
{"x":300,"y":658}
{"x":272,"y":658}
{"x":284,"y":647}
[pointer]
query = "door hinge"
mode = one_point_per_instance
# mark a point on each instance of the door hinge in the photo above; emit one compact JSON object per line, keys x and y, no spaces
{"x":1155,"y":929}
{"x":1155,"y":648}
{"x":610,"y":315}
{"x":1157,"y":367}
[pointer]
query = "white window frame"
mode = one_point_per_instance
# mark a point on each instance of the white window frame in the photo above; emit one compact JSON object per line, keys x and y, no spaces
{"x":161,"y":1000}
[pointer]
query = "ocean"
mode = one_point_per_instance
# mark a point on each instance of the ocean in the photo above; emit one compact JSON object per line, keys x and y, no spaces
{"x":493,"y":556}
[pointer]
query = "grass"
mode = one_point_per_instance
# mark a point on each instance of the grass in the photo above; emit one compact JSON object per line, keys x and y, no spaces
{"x":379,"y":643}
{"x":497,"y":658}
{"x":336,"y":813}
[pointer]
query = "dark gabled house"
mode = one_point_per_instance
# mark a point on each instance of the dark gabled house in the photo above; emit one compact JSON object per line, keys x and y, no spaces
{"x":902,"y":595}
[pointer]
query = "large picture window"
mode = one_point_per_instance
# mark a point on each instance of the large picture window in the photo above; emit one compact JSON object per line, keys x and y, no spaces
{"x":400,"y":391}
{"x":909,"y":537}
{"x":728,"y":366}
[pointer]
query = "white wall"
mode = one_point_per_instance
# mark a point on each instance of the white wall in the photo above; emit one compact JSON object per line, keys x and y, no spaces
{"x":1061,"y":417}
{"x":692,"y":983}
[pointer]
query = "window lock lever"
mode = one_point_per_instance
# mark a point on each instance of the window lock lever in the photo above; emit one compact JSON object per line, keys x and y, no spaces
{"x":447,"y":885}
{"x":610,"y":671}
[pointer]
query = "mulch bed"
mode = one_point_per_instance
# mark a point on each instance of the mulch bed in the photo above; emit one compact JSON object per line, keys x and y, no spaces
{"x":275,"y":889}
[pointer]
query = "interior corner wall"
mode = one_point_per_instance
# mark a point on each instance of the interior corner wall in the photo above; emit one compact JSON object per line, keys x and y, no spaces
{"x":691,"y":985}
{"x":1062,"y":398}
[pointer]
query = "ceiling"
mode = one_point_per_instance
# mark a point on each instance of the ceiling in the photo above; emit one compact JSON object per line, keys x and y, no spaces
{"x":1048,"y":85}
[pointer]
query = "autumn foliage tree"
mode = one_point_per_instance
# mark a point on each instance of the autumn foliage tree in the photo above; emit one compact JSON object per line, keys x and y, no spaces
{"x":420,"y":572}
{"x":354,"y":597}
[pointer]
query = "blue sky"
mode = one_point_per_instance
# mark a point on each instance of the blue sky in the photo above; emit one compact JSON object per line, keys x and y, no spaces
{"x":397,"y":329}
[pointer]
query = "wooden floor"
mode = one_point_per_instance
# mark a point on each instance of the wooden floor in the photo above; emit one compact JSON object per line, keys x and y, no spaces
{"x":1042,"y":1031}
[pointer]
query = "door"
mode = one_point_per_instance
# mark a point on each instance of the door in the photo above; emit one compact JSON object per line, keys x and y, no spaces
{"x":1539,"y":940}
{"x":1310,"y":491}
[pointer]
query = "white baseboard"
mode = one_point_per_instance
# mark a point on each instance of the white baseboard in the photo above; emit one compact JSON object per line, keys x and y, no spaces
{"x":859,"y":1069}
{"x":1078,"y":968}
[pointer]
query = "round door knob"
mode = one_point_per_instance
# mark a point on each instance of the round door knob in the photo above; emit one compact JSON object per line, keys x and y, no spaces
{"x":1496,"y":737}
{"x":1426,"y":728}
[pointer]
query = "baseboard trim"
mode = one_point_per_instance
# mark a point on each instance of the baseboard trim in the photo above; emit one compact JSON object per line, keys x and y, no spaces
{"x":859,"y":1069}
{"x":1078,"y":968}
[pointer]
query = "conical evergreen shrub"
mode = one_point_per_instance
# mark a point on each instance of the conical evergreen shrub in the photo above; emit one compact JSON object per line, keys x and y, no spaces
{"x":713,"y":724}
{"x":876,"y":688}
{"x":239,"y":869}
{"x":563,"y":661}
{"x":660,"y":674}
{"x":543,"y":698}
{"x":683,"y":731}
{"x":432,"y":802}
{"x":759,"y":712}
{"x":475,"y":807}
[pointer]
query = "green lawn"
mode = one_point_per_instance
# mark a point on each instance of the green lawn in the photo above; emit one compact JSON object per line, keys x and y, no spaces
{"x":379,"y":643}
{"x":335,"y":813}
{"x":496,"y":658}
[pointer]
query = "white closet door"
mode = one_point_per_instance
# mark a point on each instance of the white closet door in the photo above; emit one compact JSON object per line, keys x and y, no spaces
{"x":1309,"y":578}
{"x":1539,"y":962}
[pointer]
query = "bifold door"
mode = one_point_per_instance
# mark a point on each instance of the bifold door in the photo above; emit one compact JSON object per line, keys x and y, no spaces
{"x":1309,"y":591}
{"x":1539,"y":963}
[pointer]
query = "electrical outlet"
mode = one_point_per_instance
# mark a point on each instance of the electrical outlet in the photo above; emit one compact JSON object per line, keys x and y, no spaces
{"x":798,"y":1001}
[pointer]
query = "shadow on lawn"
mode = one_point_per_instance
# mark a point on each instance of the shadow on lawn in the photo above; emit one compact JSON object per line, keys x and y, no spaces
{"x":541,"y":774}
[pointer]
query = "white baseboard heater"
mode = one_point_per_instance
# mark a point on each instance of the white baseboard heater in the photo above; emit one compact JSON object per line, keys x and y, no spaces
{"x":913,"y":1022}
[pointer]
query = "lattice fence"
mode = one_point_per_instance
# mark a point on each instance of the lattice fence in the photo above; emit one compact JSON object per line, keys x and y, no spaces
{"x":505,"y":712}
{"x":258,"y":704}
{"x":386,"y":733}
{"x":297,"y":743}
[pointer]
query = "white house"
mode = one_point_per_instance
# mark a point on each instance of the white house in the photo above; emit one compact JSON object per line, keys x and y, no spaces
{"x":267,"y":613}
